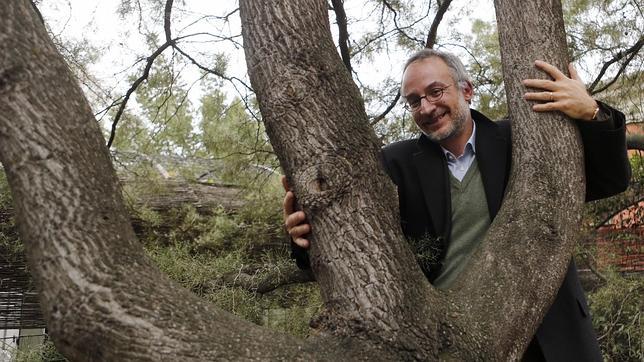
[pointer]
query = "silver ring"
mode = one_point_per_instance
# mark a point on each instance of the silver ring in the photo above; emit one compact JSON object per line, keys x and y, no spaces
{"x":552,"y":96}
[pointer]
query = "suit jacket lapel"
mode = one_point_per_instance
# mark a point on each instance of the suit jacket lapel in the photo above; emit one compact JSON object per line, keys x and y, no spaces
{"x":493,"y":158}
{"x":432,"y":175}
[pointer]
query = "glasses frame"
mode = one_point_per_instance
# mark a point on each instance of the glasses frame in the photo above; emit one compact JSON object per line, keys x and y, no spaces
{"x":428,"y":97}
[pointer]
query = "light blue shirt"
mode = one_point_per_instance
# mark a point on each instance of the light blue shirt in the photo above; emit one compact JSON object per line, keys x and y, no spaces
{"x":458,"y":166}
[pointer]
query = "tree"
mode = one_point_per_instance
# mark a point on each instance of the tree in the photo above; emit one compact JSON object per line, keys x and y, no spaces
{"x":104,"y":300}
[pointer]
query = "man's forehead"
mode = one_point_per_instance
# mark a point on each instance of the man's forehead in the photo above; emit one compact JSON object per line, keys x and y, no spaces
{"x":425,"y":73}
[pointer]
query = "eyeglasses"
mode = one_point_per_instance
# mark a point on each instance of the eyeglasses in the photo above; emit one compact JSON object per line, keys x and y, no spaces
{"x":432,"y":95}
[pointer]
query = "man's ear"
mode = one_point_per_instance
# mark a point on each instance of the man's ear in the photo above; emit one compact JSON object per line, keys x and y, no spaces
{"x":468,"y":91}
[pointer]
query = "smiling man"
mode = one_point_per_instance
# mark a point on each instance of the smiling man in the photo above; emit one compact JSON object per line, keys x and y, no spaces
{"x":451,"y":182}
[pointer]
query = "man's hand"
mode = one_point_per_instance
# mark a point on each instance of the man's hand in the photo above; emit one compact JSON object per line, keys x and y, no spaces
{"x":567,"y":95}
{"x":295,"y":221}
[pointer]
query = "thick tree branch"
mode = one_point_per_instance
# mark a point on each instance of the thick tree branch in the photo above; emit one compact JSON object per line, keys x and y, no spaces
{"x":433,"y":29}
{"x":167,"y":15}
{"x":343,"y":33}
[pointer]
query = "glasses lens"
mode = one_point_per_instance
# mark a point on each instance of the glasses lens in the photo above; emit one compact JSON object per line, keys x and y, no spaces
{"x":435,"y":94}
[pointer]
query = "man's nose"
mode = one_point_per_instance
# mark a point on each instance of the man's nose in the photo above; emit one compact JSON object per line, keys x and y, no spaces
{"x":426,"y":107}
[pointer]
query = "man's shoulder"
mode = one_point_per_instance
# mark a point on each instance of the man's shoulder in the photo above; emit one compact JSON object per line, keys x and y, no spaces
{"x":401,"y":147}
{"x":488,"y":128}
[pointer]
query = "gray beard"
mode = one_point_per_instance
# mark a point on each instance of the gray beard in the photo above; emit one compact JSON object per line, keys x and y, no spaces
{"x":456,"y":127}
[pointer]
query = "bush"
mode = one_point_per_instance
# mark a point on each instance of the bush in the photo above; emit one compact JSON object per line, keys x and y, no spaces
{"x":617,"y":317}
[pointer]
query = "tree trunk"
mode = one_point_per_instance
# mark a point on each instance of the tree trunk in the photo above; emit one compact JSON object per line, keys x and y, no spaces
{"x":104,"y":300}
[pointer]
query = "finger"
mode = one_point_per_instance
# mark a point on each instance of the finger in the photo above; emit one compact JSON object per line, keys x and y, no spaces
{"x":550,"y":69}
{"x":302,"y":243}
{"x":289,"y":204}
{"x":294,"y":219}
{"x":299,"y":231}
{"x":284,"y":182}
{"x":540,"y":96}
{"x":546,"y":107}
{"x":539,"y":84}
{"x":573,"y":72}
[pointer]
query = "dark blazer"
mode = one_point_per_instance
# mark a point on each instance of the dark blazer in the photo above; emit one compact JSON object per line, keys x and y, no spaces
{"x":419,"y":169}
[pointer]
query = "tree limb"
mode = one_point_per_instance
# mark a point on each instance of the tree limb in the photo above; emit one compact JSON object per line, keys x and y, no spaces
{"x":167,"y":14}
{"x":433,"y":29}
{"x":391,"y":106}
{"x":630,"y":53}
{"x":133,"y":87}
{"x":343,"y":33}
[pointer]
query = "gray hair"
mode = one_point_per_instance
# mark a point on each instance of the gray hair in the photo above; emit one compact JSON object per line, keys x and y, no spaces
{"x":454,"y":64}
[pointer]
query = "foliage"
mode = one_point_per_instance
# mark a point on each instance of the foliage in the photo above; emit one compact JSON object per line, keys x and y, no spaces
{"x":45,"y":352}
{"x":215,"y":255}
{"x":485,"y":70}
{"x":10,"y":244}
{"x":617,"y":310}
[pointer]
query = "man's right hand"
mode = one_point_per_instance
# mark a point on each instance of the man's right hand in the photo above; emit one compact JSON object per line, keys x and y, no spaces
{"x":295,"y":221}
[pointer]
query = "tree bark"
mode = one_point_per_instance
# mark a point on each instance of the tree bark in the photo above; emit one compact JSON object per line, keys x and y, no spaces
{"x":104,"y":300}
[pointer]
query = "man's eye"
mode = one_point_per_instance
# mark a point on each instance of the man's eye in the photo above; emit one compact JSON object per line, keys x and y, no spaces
{"x":414,"y":102}
{"x":435,"y":92}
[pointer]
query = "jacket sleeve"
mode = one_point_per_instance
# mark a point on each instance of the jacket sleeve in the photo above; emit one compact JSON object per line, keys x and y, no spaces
{"x":607,"y":168}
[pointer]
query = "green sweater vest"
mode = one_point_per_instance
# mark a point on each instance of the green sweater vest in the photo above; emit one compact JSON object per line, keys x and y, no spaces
{"x":470,"y":222}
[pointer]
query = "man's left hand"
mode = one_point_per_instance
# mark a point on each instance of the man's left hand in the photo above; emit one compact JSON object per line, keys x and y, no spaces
{"x":567,"y":95}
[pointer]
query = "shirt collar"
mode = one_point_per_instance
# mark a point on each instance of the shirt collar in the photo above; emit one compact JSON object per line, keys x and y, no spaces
{"x":470,"y":146}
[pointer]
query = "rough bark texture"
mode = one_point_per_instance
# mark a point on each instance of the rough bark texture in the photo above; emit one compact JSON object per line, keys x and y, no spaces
{"x":103,"y":300}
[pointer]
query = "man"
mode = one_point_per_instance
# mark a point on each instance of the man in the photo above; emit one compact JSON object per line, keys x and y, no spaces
{"x":451,"y":181}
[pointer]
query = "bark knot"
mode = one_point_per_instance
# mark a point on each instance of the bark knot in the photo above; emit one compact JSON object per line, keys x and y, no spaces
{"x":11,"y":78}
{"x":324,"y":182}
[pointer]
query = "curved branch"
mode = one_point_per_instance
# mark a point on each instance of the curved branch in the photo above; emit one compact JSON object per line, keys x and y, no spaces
{"x":133,"y":87}
{"x":616,"y":212}
{"x":382,"y":115}
{"x":398,"y":28}
{"x":630,"y":52}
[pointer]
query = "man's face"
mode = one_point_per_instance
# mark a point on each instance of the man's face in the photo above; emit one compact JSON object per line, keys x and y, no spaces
{"x":446,"y":117}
